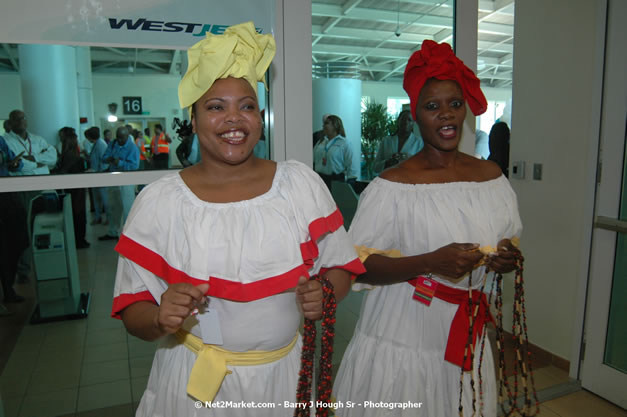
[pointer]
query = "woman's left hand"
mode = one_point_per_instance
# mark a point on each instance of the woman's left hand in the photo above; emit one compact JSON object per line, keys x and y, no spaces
{"x":309,"y":298}
{"x":504,"y":260}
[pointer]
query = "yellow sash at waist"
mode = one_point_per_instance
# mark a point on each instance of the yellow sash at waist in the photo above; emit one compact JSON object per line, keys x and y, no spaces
{"x":210,"y":367}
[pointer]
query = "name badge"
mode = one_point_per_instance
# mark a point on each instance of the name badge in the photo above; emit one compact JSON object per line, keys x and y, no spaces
{"x":210,"y":327}
{"x":425,"y":290}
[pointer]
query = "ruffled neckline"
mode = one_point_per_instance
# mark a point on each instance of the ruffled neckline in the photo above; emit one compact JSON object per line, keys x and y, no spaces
{"x":440,"y":185}
{"x":260,"y":199}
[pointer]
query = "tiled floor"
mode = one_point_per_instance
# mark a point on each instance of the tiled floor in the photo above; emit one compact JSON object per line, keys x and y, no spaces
{"x":93,"y":368}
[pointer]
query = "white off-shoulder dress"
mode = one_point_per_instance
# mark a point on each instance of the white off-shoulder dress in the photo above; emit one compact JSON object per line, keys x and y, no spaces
{"x":397,"y":351}
{"x":252,"y":253}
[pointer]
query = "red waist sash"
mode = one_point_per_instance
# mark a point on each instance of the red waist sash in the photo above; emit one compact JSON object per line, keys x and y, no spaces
{"x":458,"y":333}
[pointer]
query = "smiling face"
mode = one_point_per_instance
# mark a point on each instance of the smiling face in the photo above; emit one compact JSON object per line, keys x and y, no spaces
{"x":227,"y":121}
{"x":440,"y":114}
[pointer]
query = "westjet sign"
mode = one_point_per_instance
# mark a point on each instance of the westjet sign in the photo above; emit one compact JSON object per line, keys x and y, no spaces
{"x":143,"y":24}
{"x":128,"y":23}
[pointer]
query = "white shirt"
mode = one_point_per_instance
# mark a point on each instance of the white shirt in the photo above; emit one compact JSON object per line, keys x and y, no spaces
{"x":36,"y":146}
{"x":389,"y":146}
{"x":334,"y":156}
{"x":482,"y":144}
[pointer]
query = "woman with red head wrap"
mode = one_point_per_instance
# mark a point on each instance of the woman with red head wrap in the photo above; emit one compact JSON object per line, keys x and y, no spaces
{"x":427,"y":231}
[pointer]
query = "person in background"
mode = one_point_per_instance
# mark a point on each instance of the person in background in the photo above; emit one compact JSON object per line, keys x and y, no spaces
{"x":482,"y":148}
{"x":187,"y":152}
{"x":243,"y":221}
{"x":108,"y":136}
{"x":121,"y":155}
{"x":419,"y":228}
{"x":14,"y":236}
{"x":38,"y":156}
{"x":160,"y":148}
{"x":395,"y":149}
{"x":70,"y":162}
{"x":140,"y":142}
{"x":333,"y":157}
{"x":96,"y":164}
{"x":318,"y":135}
{"x":499,"y":146}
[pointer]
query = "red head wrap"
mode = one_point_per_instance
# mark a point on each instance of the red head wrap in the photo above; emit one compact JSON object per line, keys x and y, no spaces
{"x":437,"y":60}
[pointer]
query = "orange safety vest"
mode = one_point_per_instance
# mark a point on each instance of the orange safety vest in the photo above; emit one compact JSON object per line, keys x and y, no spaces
{"x":142,"y":148}
{"x":162,"y":145}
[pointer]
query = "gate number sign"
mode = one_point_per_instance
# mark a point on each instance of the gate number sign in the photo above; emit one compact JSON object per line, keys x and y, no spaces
{"x":132,"y":105}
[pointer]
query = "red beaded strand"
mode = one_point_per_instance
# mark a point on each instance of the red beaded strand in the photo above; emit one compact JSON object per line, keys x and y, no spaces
{"x":469,"y":348}
{"x":303,"y":390}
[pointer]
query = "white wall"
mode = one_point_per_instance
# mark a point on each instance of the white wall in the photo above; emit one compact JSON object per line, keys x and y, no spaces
{"x":555,"y":81}
{"x":379,"y":92}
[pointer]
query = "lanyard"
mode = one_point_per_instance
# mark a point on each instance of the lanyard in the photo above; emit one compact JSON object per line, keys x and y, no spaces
{"x":30,"y":145}
{"x":329,"y":144}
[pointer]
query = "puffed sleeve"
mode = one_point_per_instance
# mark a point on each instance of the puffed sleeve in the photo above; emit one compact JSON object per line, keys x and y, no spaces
{"x":373,"y":228}
{"x":327,"y":245}
{"x":133,"y":282}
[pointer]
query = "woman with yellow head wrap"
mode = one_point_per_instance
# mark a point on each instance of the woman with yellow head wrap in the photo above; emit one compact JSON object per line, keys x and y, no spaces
{"x":220,"y":274}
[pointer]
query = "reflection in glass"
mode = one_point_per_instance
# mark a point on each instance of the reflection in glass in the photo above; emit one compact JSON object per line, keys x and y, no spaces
{"x":361,"y":51}
{"x":495,"y":47}
{"x":616,"y":342}
{"x":55,"y":86}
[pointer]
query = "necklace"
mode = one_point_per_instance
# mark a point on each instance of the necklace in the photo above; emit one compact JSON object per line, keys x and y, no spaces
{"x":522,"y":366}
{"x":303,"y":390}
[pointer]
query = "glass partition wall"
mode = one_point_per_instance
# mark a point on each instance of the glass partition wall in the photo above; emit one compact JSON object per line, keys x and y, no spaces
{"x":359,"y":53}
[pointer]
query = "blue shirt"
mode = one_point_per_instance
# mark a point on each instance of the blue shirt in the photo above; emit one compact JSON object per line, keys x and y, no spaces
{"x":128,"y":156}
{"x":6,"y":156}
{"x":98,"y":150}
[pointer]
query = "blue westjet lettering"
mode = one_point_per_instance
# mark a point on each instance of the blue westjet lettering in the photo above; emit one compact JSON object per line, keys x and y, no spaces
{"x":162,"y":26}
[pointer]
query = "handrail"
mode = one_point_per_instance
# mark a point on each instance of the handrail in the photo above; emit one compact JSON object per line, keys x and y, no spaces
{"x":609,"y":223}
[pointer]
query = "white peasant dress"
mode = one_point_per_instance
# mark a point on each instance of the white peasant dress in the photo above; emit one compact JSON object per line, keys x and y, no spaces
{"x":252,"y":253}
{"x":397,"y":351}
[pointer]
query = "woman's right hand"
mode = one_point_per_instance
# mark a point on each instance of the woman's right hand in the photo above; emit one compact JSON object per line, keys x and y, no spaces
{"x":177,"y":304}
{"x":455,"y":260}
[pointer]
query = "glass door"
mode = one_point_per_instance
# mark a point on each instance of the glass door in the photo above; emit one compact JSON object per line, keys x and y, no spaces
{"x":605,"y":357}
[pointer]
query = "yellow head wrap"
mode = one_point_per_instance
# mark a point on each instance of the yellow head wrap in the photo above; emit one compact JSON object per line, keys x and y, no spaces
{"x":239,"y":53}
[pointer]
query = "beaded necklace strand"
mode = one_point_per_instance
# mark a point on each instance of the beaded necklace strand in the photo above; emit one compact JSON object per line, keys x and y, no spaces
{"x":522,"y":360}
{"x":520,"y":338}
{"x":469,"y":349}
{"x":303,"y":391}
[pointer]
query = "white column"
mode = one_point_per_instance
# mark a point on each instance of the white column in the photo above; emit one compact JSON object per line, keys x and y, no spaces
{"x":49,"y":89}
{"x":466,"y":26}
{"x":85,"y":89}
{"x":341,"y":97}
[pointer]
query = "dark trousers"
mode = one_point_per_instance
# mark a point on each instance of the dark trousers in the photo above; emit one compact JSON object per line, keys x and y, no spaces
{"x":79,"y":213}
{"x":160,"y":161}
{"x":13,"y":239}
